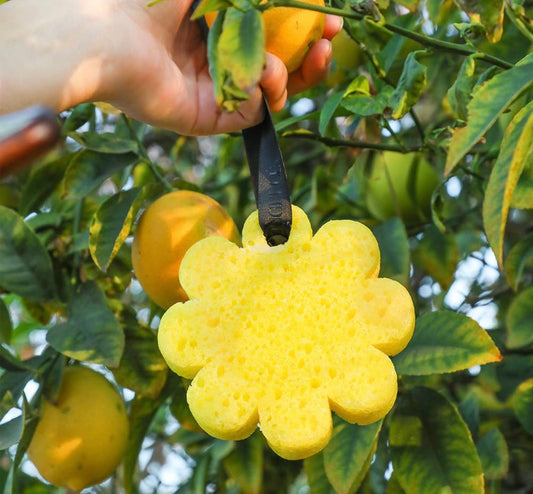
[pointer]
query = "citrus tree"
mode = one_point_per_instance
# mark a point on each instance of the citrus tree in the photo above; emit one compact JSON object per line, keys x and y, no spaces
{"x":423,"y":132}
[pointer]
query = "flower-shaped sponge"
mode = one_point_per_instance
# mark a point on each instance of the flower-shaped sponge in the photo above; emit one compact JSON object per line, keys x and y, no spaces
{"x":280,"y":336}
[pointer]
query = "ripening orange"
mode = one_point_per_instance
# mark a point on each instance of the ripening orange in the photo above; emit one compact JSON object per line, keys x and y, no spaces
{"x":289,"y":32}
{"x":165,"y":232}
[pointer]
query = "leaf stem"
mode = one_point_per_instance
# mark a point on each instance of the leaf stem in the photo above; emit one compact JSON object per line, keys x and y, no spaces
{"x":331,"y":142}
{"x":423,"y":39}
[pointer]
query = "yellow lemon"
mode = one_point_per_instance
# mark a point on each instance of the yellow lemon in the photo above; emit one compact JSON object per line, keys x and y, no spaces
{"x":81,"y":438}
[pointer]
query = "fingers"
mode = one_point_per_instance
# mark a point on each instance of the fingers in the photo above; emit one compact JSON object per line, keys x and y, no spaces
{"x":314,"y":70}
{"x":333,"y":26}
{"x":274,"y":82}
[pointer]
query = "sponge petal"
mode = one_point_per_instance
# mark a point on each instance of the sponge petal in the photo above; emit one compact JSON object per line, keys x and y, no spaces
{"x":277,"y":337}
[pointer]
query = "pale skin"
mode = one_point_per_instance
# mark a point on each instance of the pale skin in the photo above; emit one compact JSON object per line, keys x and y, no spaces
{"x":150,"y":62}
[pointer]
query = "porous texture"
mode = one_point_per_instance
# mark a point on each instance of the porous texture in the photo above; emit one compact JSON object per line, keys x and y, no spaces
{"x":280,"y":336}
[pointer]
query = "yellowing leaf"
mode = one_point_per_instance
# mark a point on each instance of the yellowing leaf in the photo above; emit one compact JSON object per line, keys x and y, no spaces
{"x":517,"y":145}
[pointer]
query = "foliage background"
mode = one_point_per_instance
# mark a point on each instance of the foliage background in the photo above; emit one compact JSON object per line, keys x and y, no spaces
{"x":451,"y":80}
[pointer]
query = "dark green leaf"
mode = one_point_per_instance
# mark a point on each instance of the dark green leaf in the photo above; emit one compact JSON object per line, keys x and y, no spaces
{"x":438,"y":254}
{"x":460,"y":93}
{"x":79,"y":115}
{"x":316,"y":475}
{"x":368,"y":105}
{"x":410,"y":86}
{"x":10,"y":362}
{"x":494,"y":454}
{"x":516,"y":146}
{"x":111,"y":225}
{"x":522,"y":402}
{"x":6,"y":326}
{"x":42,"y":182}
{"x":11,"y":432}
{"x":25,"y":267}
{"x":488,"y":103}
{"x":108,"y":143}
{"x":518,"y":320}
{"x":445,"y":341}
{"x":91,"y":332}
{"x":245,"y":464}
{"x":328,"y":110}
{"x":142,"y":368}
{"x":432,"y":450}
{"x":519,"y":258}
{"x":489,"y":12}
{"x":348,"y":455}
{"x":88,"y":169}
{"x":394,"y":247}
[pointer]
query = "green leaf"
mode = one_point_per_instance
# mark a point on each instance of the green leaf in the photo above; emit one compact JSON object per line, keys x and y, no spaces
{"x":142,"y":367}
{"x":394,"y":247}
{"x":445,"y":341}
{"x":516,"y":146}
{"x":245,"y":464}
{"x":519,"y":258}
{"x":91,"y":332}
{"x":410,"y":86}
{"x":88,"y":169}
{"x":489,"y":13}
{"x":438,"y":254}
{"x":25,"y":266}
{"x":206,"y":6}
{"x":348,"y":455}
{"x":10,"y":362}
{"x":241,"y":56}
{"x":522,"y":402}
{"x":488,"y":103}
{"x":41,"y":183}
{"x":11,"y":432}
{"x":523,"y":192}
{"x":518,"y":320}
{"x":316,"y":475}
{"x":460,"y":93}
{"x":6,"y":326}
{"x":366,"y":106}
{"x":431,"y":447}
{"x":494,"y":454}
{"x":111,"y":225}
{"x":79,"y":115}
{"x":106,"y":142}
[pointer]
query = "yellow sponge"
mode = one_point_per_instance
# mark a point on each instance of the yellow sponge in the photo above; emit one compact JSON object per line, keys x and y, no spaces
{"x":280,"y":336}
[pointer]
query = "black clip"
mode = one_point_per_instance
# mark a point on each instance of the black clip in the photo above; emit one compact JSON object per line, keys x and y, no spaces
{"x":267,"y":172}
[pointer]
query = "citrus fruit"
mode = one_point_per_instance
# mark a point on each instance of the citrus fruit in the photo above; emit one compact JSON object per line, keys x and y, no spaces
{"x":400,"y":185}
{"x":165,"y":232}
{"x":289,"y":32}
{"x":81,"y":438}
{"x":346,"y":57}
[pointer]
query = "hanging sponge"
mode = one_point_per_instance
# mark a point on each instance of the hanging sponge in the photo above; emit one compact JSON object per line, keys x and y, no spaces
{"x":277,"y":337}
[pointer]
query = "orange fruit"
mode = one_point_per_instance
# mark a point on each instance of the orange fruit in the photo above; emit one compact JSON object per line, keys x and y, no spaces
{"x":165,"y":232}
{"x":81,"y":438}
{"x":289,"y":32}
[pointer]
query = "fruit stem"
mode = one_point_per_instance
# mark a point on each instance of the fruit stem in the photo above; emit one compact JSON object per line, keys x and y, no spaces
{"x":424,"y":40}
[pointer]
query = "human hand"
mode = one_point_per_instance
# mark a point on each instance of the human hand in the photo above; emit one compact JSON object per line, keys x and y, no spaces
{"x":165,"y":81}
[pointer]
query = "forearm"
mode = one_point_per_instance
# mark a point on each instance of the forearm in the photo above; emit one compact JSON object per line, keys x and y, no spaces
{"x":53,"y":52}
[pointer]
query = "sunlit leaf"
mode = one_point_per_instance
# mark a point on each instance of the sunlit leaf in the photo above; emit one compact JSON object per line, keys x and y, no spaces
{"x":25,"y":266}
{"x":348,"y":455}
{"x":410,"y":86}
{"x":516,"y":146}
{"x":445,"y":341}
{"x":111,"y":225}
{"x":432,"y":449}
{"x":488,"y":103}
